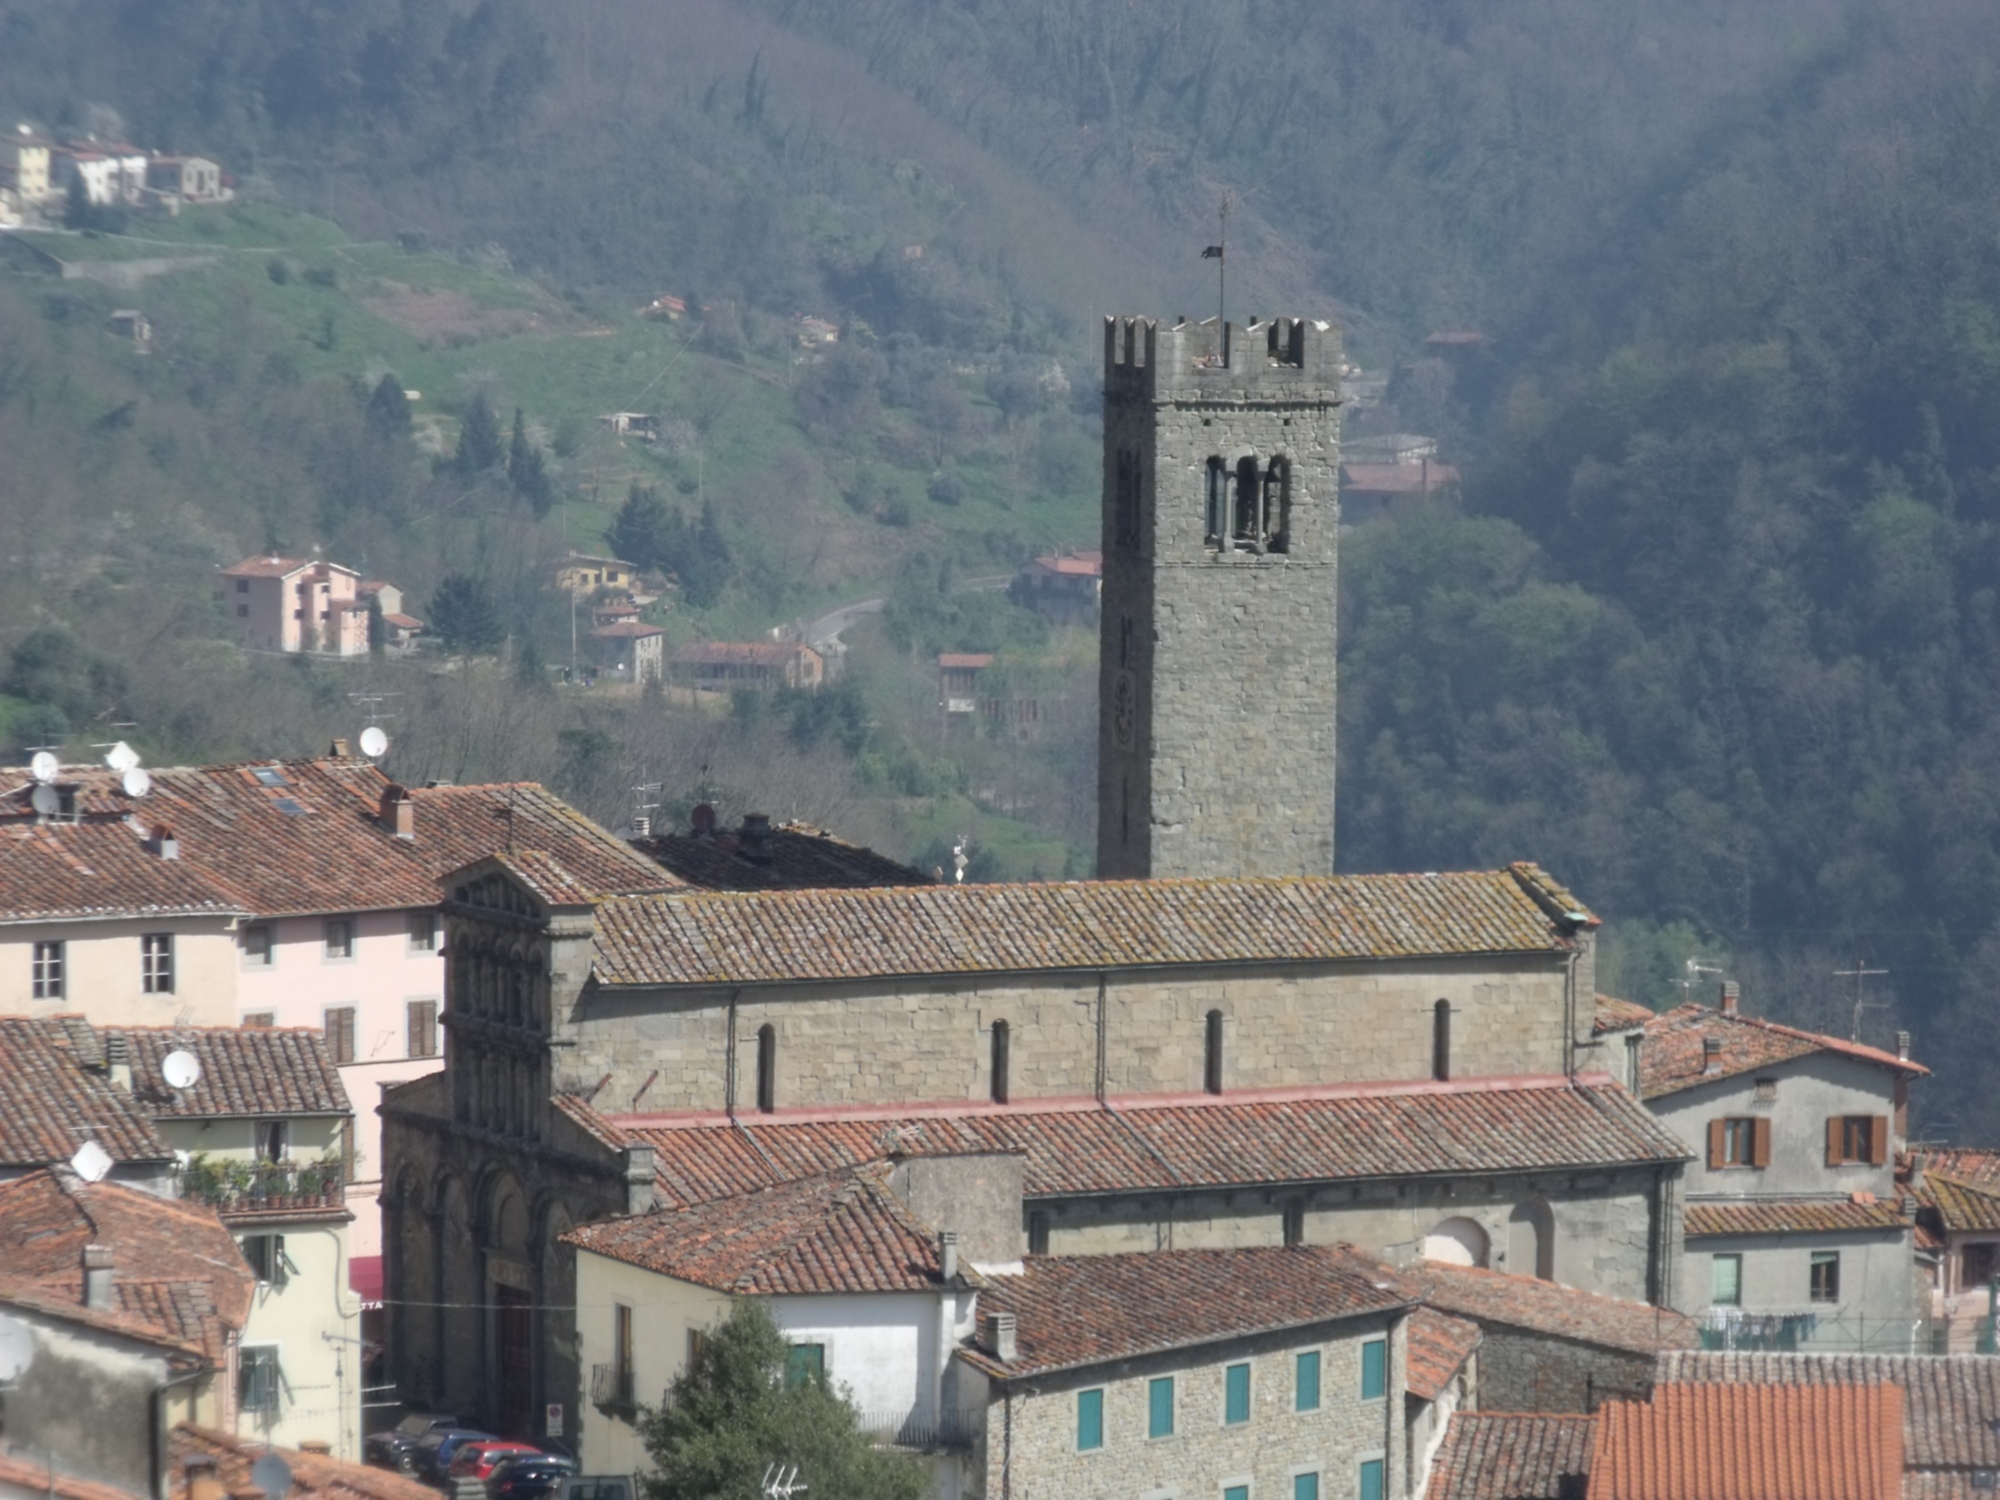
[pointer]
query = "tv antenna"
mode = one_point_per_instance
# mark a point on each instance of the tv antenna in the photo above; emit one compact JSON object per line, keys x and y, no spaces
{"x":781,"y":1483}
{"x":1695,"y":968}
{"x":181,"y":1070}
{"x":1860,"y":974}
{"x":960,"y":860}
{"x":642,"y":810}
{"x":1219,"y":253}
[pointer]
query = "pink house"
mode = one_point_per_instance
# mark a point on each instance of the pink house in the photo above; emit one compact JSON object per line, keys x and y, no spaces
{"x":297,"y":604}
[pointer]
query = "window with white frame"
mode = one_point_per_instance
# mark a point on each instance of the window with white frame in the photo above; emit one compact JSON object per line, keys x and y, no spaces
{"x":48,"y":971}
{"x":258,"y":1381}
{"x":156,"y":963}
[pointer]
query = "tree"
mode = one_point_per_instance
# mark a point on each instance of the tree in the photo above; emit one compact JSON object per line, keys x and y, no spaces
{"x":639,"y":534}
{"x":388,"y":407}
{"x":526,"y":472}
{"x":462,"y":614}
{"x":742,"y":1407}
{"x":478,"y":440}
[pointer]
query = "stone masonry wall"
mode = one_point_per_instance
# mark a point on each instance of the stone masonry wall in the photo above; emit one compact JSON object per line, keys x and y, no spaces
{"x":1602,"y":1222}
{"x":1217,"y":665}
{"x":931,"y":1040}
{"x":1524,"y":1371}
{"x":1203,"y":1456}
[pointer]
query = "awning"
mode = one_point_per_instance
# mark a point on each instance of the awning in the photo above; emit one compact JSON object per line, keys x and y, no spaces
{"x":364,"y":1277}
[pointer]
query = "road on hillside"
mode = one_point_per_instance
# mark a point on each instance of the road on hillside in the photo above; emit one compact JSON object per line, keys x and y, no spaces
{"x":823,"y":634}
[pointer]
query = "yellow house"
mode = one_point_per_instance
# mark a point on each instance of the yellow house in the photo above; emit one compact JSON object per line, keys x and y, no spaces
{"x":581,"y":573}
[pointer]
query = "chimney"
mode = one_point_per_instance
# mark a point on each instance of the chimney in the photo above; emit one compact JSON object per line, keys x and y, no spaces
{"x":1903,"y":1045}
{"x":703,"y":820}
{"x":948,"y":1255}
{"x":165,"y":845}
{"x":338,"y":750}
{"x":1711,"y":1054}
{"x":1731,"y":992}
{"x":756,"y":837}
{"x":97,"y":1277}
{"x":399,"y":813}
{"x":118,"y":1060}
{"x":642,"y":826}
{"x":317,"y":1447}
{"x":996,"y":1332}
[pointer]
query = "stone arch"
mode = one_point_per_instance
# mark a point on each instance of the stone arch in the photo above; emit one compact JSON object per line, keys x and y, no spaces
{"x":408,"y":1265}
{"x":455,"y":1324}
{"x":1457,"y":1241}
{"x":1531,"y":1240}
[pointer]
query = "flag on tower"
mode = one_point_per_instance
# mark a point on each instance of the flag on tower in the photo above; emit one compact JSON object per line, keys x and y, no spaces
{"x":1213,"y":252}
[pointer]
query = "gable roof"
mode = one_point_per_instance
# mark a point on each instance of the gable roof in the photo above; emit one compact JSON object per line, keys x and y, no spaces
{"x":1751,"y":1442}
{"x":1613,"y":1014}
{"x":1439,"y":1346}
{"x":1080,"y":1310}
{"x":1708,"y":1217}
{"x":1950,"y":1401}
{"x":1512,"y":1456}
{"x":262,"y":1071}
{"x":1147,"y":1143}
{"x":178,"y":1271}
{"x":795,"y":856}
{"x":1495,"y":1297}
{"x":837,"y":1232}
{"x":297,"y":837}
{"x":1961,"y":1206}
{"x":717,"y":937}
{"x":267,"y":567}
{"x":51,"y":1102}
{"x":79,"y":871}
{"x":1673,"y":1059}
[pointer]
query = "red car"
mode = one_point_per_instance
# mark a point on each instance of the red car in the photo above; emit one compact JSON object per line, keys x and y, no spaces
{"x":476,"y":1459}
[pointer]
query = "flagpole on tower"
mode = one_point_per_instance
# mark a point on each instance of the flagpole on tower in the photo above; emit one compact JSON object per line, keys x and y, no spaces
{"x":1219,"y":252}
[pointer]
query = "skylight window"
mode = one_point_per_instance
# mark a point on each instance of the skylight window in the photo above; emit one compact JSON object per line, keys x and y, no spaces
{"x":290,"y":808}
{"x":270,"y":776}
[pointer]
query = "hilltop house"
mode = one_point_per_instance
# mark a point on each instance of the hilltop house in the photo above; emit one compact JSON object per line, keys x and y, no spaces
{"x":722,"y":665}
{"x":581,"y":573}
{"x":1064,"y":588}
{"x":628,"y":648}
{"x":297,"y":604}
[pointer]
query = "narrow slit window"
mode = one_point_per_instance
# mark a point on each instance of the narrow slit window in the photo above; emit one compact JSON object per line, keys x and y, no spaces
{"x":1441,"y":1041}
{"x":767,"y":1069}
{"x":1217,"y":508}
{"x":1277,"y":516}
{"x":1211,"y":1054}
{"x":1001,"y":1038}
{"x":1247,"y":530}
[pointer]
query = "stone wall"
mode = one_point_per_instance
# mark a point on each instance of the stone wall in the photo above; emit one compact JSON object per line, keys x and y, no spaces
{"x":1217,"y":663}
{"x":931,"y":1039}
{"x":1520,"y":1370}
{"x":1030,"y":1441}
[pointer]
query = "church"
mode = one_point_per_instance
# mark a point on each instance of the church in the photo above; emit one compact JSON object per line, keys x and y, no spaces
{"x":1220,"y":1042}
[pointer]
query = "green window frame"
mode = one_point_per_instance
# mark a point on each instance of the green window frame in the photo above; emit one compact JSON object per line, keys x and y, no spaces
{"x":1374,"y":1369}
{"x":1725,"y":1281}
{"x":1305,"y":1486}
{"x":1160,"y":1407}
{"x":1305,"y":1383}
{"x":1089,"y":1420}
{"x":1236,"y":1395}
{"x":1236,"y":1492}
{"x":1369,"y":1486}
{"x":804,"y":1363}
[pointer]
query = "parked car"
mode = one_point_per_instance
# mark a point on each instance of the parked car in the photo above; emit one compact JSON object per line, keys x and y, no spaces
{"x":396,"y":1447}
{"x":439,"y":1446}
{"x":596,"y":1487}
{"x":476,"y":1460}
{"x":529,"y":1476}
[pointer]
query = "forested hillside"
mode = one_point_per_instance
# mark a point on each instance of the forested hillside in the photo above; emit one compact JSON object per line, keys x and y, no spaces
{"x":1714,"y":631}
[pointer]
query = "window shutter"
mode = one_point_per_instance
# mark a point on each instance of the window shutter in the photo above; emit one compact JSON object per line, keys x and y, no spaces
{"x":1715,"y":1129}
{"x":1760,"y":1143}
{"x":1878,"y":1141}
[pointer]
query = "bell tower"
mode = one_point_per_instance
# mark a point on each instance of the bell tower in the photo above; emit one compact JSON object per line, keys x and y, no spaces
{"x":1216,"y":658}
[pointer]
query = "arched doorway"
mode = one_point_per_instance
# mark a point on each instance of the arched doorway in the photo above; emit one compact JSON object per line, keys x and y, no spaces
{"x":1457,"y":1242}
{"x":1531,"y":1240}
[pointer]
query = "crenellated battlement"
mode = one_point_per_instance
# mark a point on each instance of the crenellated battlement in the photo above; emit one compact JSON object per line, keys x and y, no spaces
{"x":1294,"y":359}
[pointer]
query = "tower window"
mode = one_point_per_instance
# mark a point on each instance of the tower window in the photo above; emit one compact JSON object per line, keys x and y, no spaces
{"x":767,"y":1069}
{"x":1211,"y":1054}
{"x":999,"y":1080}
{"x":1218,"y":501}
{"x":1248,"y":530}
{"x":1441,"y":1040}
{"x":1277,"y":517}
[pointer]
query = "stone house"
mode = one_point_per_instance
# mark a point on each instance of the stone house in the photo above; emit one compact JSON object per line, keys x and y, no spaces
{"x":191,"y":179}
{"x":1957,"y":1193}
{"x":1371,"y":490}
{"x":1064,"y":588}
{"x":722,"y":665}
{"x":1796,"y":1232}
{"x":632,"y":650}
{"x":297,"y":604}
{"x":760,"y":855}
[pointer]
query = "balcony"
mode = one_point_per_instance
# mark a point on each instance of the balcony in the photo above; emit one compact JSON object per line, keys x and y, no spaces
{"x":611,"y":1390}
{"x":265,"y":1187}
{"x":925,"y":1431}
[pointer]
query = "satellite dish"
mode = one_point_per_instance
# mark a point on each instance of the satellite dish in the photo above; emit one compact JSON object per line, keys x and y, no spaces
{"x":182,"y":1070}
{"x":272,"y":1475}
{"x":91,"y":1162}
{"x":44,"y":767}
{"x":17,"y":1348}
{"x":46,"y":800}
{"x":121,"y":757}
{"x":136,"y":781}
{"x":374,"y":743}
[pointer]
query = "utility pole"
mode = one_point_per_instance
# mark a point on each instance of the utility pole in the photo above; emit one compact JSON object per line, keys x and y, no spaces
{"x":1860,"y":974}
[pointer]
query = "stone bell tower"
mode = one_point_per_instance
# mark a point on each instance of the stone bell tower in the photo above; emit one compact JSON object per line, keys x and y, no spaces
{"x":1221,"y":536}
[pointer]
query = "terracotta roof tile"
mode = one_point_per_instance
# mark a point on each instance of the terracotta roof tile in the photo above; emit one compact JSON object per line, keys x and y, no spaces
{"x":624,"y":630}
{"x":1080,"y":1310}
{"x":1950,"y":1401}
{"x":1673,"y":1059}
{"x":79,"y":870}
{"x":267,"y":1070}
{"x":177,"y":1271}
{"x":1619,"y":1015}
{"x":1439,"y":1347}
{"x":1974,"y":1165}
{"x":1079,"y":1147}
{"x":1961,"y":1205}
{"x":313,"y":1474}
{"x":1512,"y":1456}
{"x":774,"y":936}
{"x":837,"y":1232}
{"x":51,"y":1103}
{"x":1751,"y":1442}
{"x":267,"y":567}
{"x":795,"y":856}
{"x":1493,"y":1297}
{"x":32,"y":1477}
{"x":1789,"y":1216}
